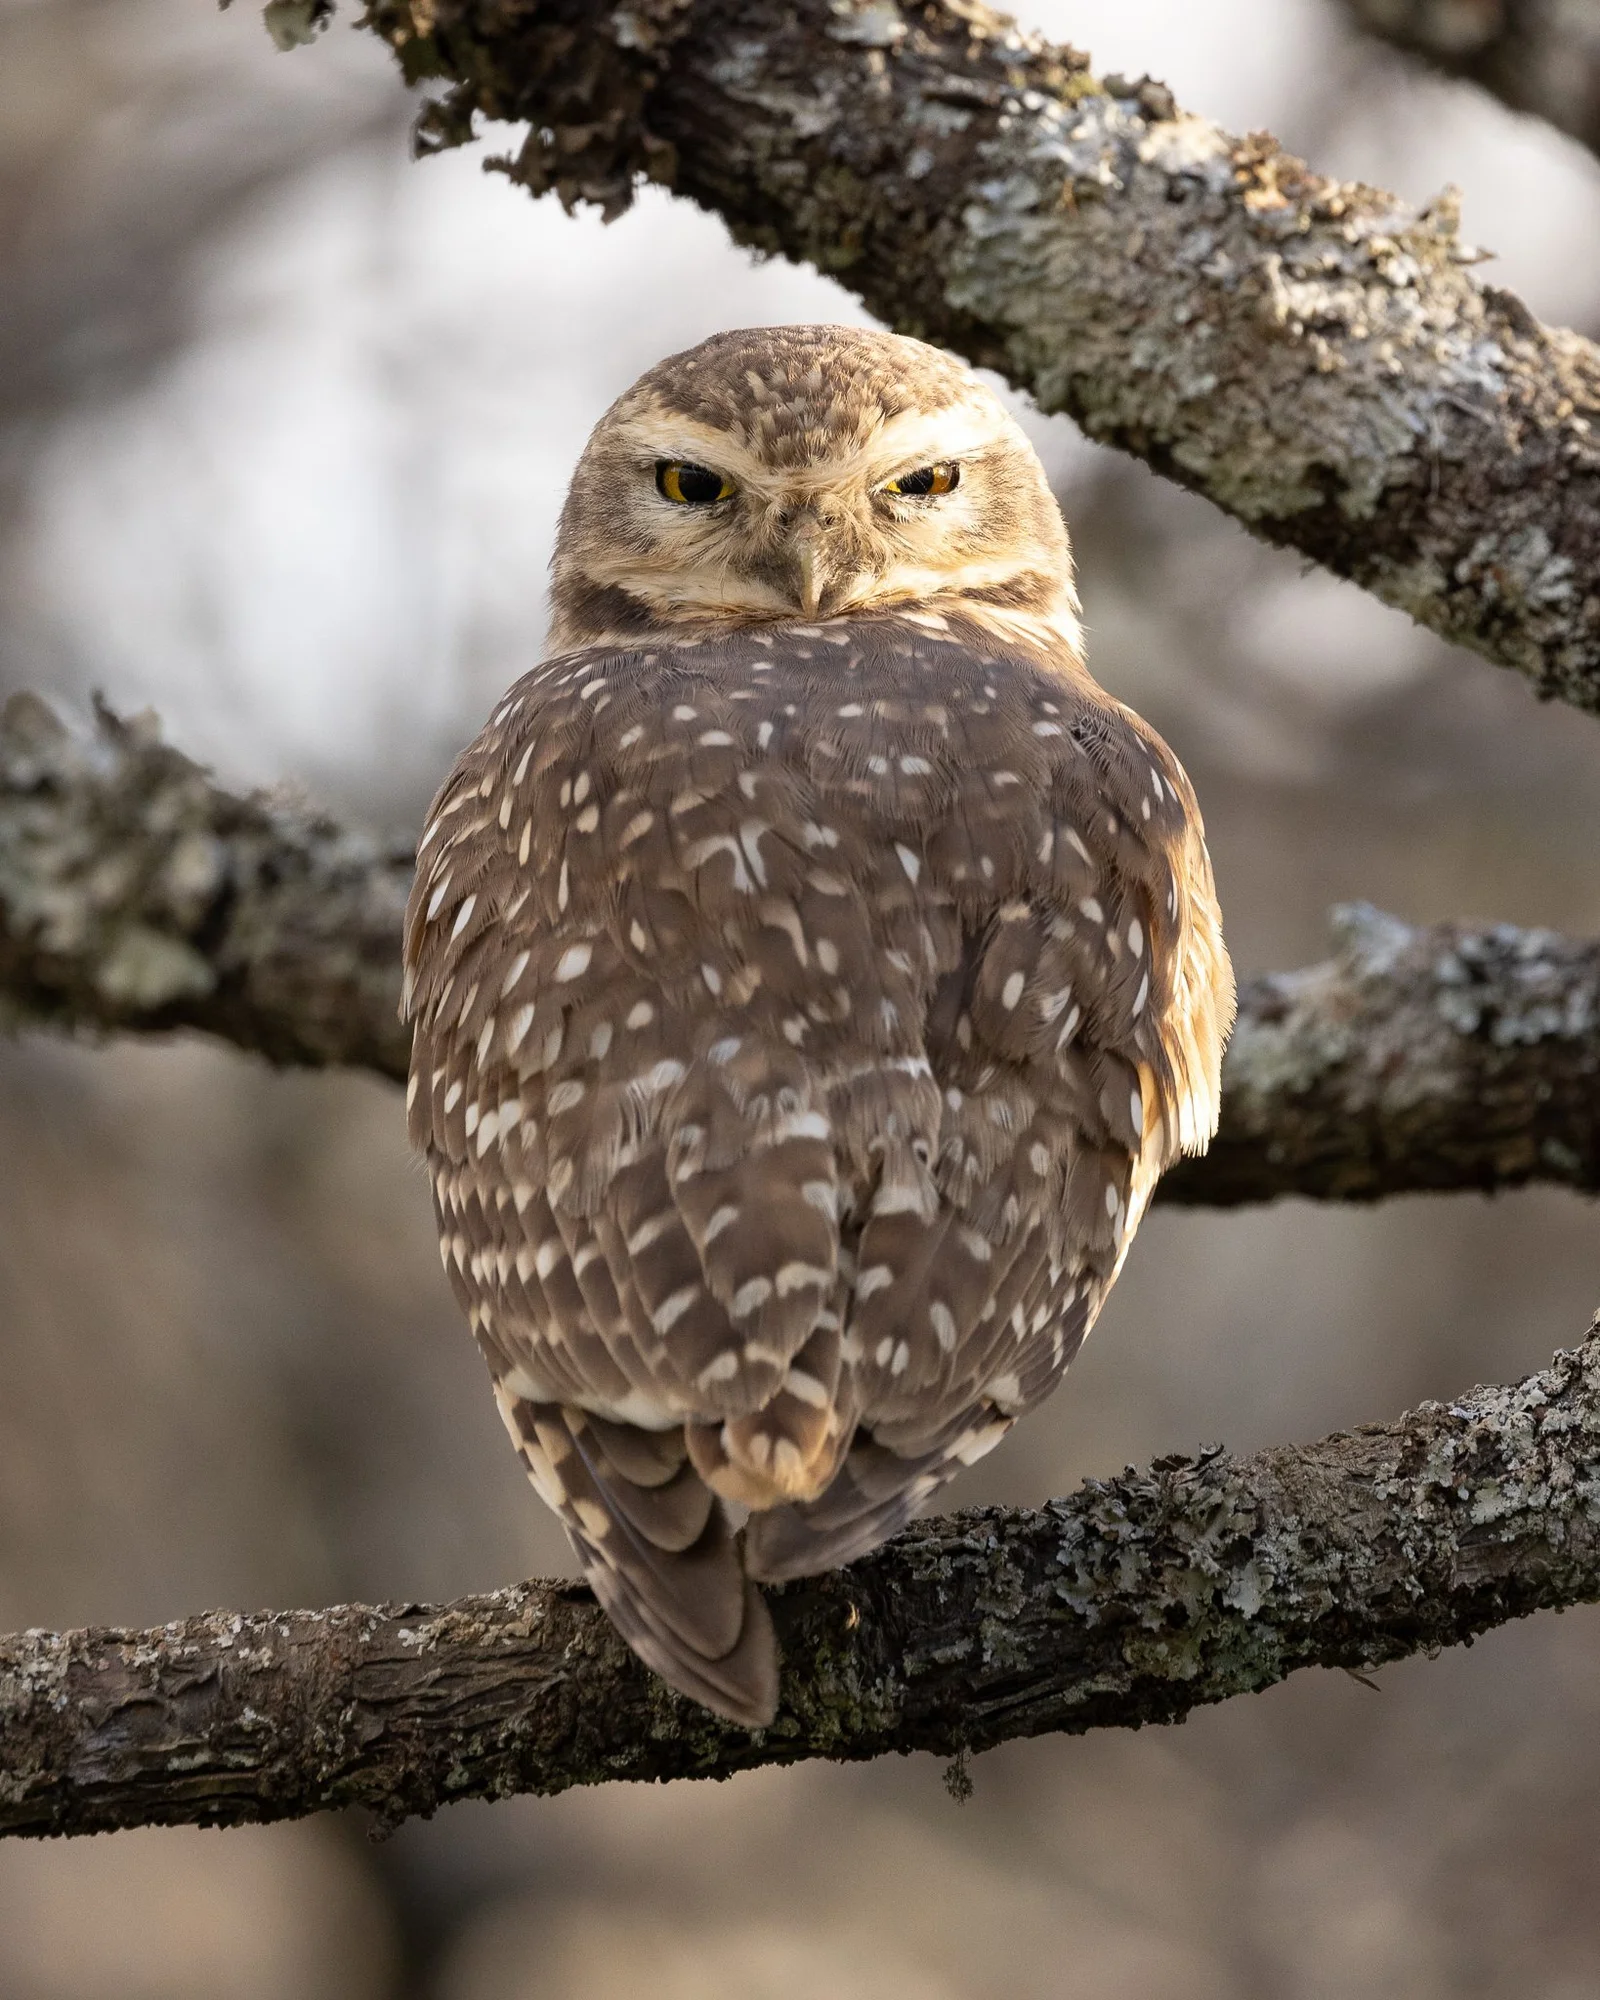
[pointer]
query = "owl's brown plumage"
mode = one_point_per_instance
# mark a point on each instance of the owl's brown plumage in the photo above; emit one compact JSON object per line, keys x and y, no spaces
{"x":812,"y":971}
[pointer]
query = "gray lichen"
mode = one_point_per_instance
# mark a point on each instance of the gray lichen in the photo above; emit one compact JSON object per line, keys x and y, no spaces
{"x":293,"y":23}
{"x":1416,"y":1058}
{"x":137,"y":894}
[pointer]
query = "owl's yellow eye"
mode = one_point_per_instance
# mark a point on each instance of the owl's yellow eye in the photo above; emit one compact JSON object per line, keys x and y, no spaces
{"x":925,"y":481}
{"x":691,"y":485}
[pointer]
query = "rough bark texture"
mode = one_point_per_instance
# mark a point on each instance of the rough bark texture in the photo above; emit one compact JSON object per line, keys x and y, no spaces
{"x":136,"y":894}
{"x":1134,"y":1601}
{"x":1415,"y":1059}
{"x":1541,"y":56}
{"x":1311,"y":355}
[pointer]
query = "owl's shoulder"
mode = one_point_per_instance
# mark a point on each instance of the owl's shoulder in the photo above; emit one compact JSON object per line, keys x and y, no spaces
{"x":652,"y":803}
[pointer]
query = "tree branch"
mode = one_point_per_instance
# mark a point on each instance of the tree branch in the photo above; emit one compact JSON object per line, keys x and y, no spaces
{"x":1134,"y":1601}
{"x":1539,"y":56}
{"x":1309,"y":354}
{"x":1417,"y":1059}
{"x":137,"y":895}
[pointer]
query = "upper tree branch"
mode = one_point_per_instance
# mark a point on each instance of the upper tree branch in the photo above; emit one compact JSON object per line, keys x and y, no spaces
{"x":136,"y":894}
{"x":1309,"y":354}
{"x":1541,"y":56}
{"x":1135,"y":1601}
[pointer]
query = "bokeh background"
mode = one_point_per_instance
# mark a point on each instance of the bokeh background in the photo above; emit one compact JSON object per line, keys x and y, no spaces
{"x":285,"y":420}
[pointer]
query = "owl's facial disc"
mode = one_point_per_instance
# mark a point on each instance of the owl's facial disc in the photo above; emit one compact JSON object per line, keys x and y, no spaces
{"x":698,"y":510}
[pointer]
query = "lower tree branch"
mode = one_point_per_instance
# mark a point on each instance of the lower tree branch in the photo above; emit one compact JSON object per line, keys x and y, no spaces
{"x":1134,"y":1601}
{"x":1541,"y":56}
{"x":138,"y":895}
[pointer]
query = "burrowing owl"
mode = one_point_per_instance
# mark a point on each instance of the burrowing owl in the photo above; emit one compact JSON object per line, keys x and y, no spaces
{"x":812,"y":971}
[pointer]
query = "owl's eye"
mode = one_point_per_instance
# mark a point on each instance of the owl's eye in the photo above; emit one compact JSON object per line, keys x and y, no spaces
{"x":926,"y":481}
{"x":690,"y":485}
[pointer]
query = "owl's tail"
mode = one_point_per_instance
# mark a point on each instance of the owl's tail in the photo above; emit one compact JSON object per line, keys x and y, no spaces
{"x":661,"y":1556}
{"x":875,"y":1493}
{"x":658,"y":1551}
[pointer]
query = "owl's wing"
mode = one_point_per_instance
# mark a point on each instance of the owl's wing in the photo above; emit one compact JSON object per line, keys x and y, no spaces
{"x":793,"y":1051}
{"x":1074,"y":1029}
{"x":611,"y":976}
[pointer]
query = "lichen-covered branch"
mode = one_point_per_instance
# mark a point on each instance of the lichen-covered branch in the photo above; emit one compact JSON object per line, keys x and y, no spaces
{"x":1314,"y":356}
{"x":137,"y":895}
{"x":1134,"y":1601}
{"x":1540,"y":56}
{"x":1416,"y":1059}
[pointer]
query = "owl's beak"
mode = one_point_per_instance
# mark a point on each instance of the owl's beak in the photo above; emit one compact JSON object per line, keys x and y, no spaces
{"x":811,"y":570}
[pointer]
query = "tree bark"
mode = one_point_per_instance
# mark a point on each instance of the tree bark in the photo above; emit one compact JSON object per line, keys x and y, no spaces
{"x":138,"y":896}
{"x":135,"y":894}
{"x":1311,"y":355}
{"x":1417,"y":1059}
{"x":1134,"y":1601}
{"x":1539,"y":56}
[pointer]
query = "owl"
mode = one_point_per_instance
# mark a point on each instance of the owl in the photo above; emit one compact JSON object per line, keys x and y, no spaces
{"x":811,"y":971}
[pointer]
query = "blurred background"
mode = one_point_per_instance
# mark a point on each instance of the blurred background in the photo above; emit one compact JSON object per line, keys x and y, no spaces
{"x":285,"y":421}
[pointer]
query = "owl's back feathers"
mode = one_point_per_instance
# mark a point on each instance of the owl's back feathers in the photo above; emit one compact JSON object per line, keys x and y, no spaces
{"x":802,"y":1018}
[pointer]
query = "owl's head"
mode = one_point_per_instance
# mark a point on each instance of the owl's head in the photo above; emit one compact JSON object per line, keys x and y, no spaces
{"x":805,"y":472}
